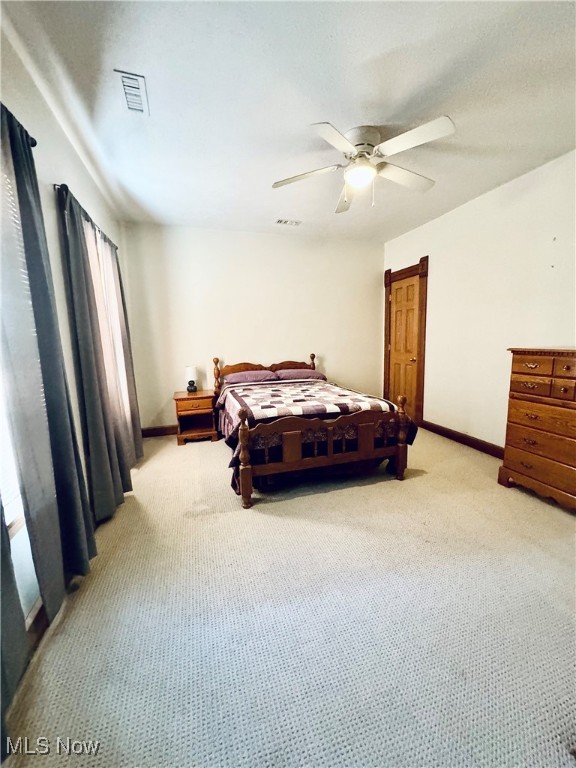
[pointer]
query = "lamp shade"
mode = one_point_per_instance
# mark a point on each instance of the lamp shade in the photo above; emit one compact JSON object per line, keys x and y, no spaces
{"x":191,"y":373}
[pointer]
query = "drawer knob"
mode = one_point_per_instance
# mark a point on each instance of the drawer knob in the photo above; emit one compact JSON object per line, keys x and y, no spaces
{"x":532,"y":416}
{"x":526,"y":464}
{"x":529,"y":385}
{"x":528,"y":441}
{"x":532,"y":365}
{"x":566,"y":367}
{"x":563,"y":389}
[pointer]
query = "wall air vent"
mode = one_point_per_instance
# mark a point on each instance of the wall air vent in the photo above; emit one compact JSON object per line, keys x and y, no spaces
{"x":135,"y":91}
{"x":288,"y":222}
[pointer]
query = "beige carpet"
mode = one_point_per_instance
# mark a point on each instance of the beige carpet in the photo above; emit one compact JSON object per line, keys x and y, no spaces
{"x":361,"y":623}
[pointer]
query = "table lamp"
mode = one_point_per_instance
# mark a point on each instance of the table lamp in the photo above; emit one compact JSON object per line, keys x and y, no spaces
{"x":191,"y":377}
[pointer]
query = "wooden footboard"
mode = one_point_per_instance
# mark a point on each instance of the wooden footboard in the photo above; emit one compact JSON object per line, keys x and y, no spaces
{"x":294,"y":443}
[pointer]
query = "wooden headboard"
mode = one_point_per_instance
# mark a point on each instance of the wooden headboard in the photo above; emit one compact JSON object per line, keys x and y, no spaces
{"x":219,"y":373}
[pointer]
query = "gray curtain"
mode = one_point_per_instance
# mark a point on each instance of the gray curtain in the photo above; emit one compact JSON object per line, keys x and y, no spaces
{"x":52,"y":486}
{"x":24,"y":389}
{"x":111,"y":445}
{"x":14,"y":640}
{"x":76,"y":527}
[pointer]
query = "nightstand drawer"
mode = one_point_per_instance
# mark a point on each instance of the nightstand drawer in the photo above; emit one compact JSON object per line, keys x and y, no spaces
{"x":526,"y":364}
{"x":544,"y":444}
{"x":531,"y":385}
{"x":194,"y":404}
{"x":557,"y":475}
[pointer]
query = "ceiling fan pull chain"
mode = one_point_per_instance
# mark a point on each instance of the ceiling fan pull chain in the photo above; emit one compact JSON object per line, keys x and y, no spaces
{"x":373,"y":203}
{"x":345,"y":192}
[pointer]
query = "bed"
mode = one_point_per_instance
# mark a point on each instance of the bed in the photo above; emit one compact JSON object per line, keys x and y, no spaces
{"x":287,"y":418}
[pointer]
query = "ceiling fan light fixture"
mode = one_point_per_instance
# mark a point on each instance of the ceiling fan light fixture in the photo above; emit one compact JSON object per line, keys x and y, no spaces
{"x":360,"y":173}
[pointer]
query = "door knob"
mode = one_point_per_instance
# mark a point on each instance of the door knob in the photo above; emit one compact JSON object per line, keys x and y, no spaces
{"x":412,"y":359}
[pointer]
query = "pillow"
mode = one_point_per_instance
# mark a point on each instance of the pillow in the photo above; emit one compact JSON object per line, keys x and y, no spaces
{"x":246,"y":377}
{"x":299,"y":373}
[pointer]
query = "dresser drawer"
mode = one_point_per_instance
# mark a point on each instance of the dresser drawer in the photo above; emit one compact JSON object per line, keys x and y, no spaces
{"x":565,"y":367}
{"x":194,"y":404}
{"x":561,"y":421}
{"x":546,"y":471}
{"x":544,"y":444}
{"x":526,"y":364}
{"x":563,"y":389}
{"x":531,"y":385}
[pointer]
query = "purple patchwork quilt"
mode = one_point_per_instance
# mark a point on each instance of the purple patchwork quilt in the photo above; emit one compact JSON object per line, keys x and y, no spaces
{"x":272,"y":399}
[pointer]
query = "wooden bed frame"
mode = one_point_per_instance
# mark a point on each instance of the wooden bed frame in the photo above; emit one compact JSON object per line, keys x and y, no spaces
{"x":324,"y":438}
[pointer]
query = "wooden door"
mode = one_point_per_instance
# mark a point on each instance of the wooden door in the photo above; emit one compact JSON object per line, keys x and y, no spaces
{"x":405,"y":336}
{"x":404,"y":341}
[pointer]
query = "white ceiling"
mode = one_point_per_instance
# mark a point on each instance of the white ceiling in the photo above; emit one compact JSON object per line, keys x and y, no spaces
{"x":234,"y":86}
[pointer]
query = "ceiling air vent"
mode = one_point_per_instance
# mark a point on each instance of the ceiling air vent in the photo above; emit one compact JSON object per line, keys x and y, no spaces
{"x":134,"y":91}
{"x":288,"y":222}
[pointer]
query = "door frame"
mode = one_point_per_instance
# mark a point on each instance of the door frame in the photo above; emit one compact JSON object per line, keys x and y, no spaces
{"x":417,"y":270}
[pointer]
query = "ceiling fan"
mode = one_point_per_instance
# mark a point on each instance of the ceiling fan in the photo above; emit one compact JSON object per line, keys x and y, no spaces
{"x":363,"y":149}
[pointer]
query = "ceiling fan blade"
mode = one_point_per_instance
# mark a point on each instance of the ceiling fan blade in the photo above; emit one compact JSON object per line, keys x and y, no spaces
{"x":300,"y":176}
{"x":345,"y":199}
{"x":435,"y":129}
{"x":334,"y":137}
{"x":406,"y":178}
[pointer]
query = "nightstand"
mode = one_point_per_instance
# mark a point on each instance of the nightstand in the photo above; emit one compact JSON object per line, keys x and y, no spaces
{"x":195,"y":415}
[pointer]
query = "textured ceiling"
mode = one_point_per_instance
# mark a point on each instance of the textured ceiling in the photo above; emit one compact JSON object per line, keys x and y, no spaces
{"x":234,"y":86}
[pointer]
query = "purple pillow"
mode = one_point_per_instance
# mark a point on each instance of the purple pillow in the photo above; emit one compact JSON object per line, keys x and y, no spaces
{"x":246,"y":377}
{"x":299,"y":373}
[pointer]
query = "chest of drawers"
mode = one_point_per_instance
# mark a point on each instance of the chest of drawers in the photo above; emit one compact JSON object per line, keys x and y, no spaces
{"x":540,"y":450}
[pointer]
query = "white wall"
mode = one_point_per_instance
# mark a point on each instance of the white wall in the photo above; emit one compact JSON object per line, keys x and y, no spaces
{"x":195,"y":294}
{"x":56,"y":162}
{"x":502,"y":274}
